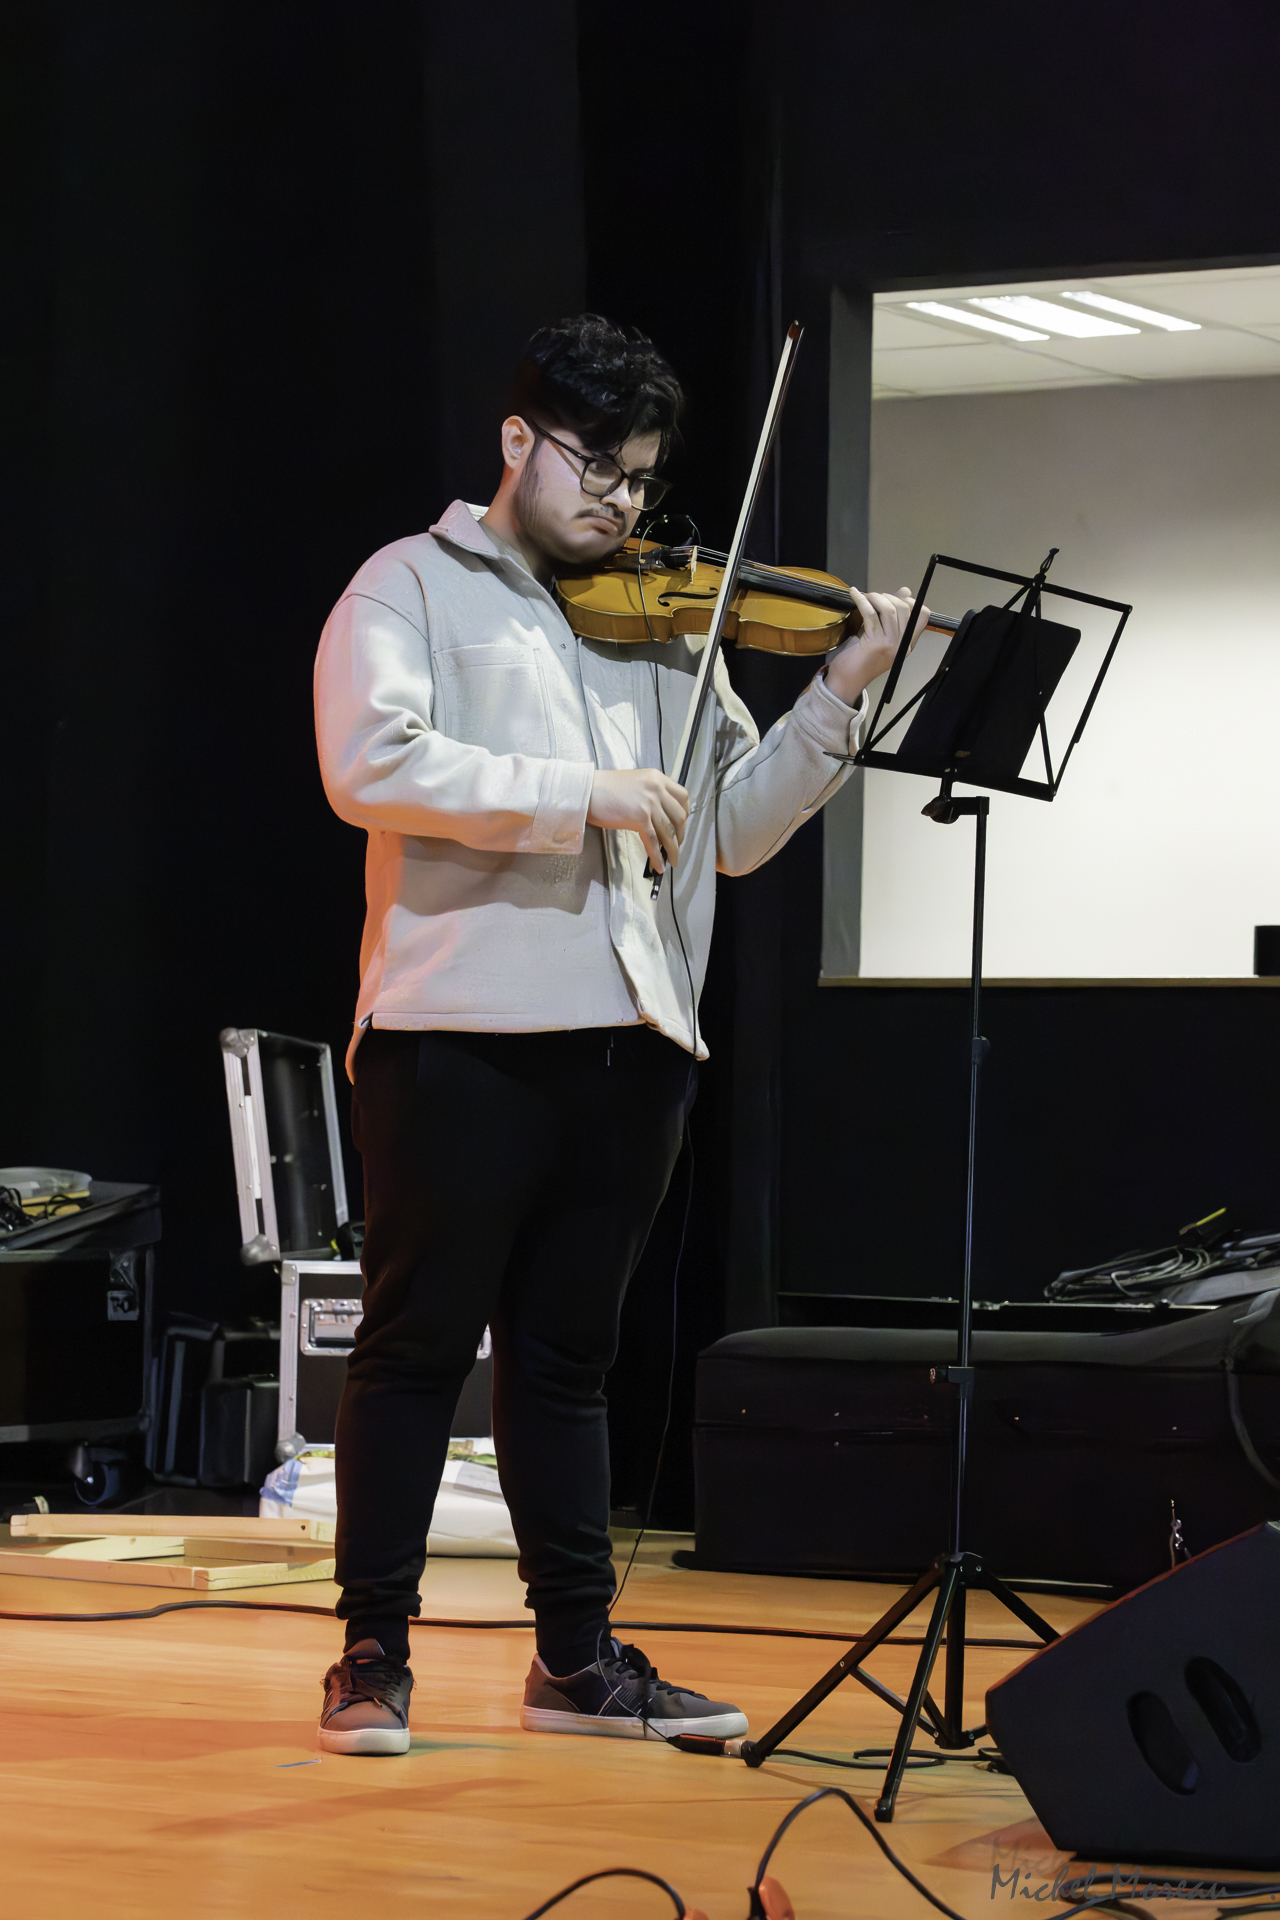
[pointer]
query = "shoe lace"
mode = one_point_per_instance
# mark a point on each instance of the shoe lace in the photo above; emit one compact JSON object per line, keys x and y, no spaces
{"x":368,"y":1680}
{"x":638,"y":1664}
{"x":644,"y":1669}
{"x":628,"y":1663}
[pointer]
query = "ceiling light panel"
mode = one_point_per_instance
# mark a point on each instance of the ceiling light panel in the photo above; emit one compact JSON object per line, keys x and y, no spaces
{"x":975,"y":366}
{"x":1005,"y":327}
{"x":1227,"y":299}
{"x":1026,"y":310}
{"x":1128,"y":311}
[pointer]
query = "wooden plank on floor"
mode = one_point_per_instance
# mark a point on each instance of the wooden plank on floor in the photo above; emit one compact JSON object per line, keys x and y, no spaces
{"x":187,"y":1568}
{"x":191,"y":1526}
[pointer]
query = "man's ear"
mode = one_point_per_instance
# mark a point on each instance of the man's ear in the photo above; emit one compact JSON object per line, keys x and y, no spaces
{"x":518,"y":440}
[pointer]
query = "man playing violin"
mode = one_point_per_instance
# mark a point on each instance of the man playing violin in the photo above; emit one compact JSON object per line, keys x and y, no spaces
{"x":526,"y":1031}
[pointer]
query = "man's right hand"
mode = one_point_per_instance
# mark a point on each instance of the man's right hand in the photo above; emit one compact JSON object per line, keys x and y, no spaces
{"x":645,"y":802}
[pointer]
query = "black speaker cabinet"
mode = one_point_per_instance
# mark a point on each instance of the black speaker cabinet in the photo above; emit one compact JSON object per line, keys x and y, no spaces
{"x":1152,"y":1732}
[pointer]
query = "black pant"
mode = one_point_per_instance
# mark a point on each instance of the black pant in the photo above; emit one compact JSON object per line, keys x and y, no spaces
{"x":510,"y":1179}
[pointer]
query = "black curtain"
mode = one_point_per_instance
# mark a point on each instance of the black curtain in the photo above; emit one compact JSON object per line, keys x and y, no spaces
{"x":268,"y":265}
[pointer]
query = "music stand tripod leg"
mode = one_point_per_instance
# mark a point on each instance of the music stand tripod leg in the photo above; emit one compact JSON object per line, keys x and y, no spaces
{"x":756,"y":1752}
{"x":947,"y":1590}
{"x":1013,"y":1603}
{"x":953,"y":1734}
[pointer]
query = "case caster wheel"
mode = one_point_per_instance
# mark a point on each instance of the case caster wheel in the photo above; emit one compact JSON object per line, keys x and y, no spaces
{"x":97,"y":1473}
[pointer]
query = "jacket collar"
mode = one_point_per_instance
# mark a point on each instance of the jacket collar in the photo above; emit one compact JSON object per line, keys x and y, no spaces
{"x":460,"y":525}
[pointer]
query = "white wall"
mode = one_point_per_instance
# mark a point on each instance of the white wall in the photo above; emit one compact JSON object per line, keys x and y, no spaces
{"x":1162,"y":849}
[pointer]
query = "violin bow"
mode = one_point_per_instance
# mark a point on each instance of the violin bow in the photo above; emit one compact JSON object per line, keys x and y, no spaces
{"x":733,"y":562}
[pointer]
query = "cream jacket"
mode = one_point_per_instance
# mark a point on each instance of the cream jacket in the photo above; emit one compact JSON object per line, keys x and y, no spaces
{"x":460,"y":722}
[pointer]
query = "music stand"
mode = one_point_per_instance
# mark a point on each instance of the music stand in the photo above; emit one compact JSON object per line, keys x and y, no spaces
{"x":976,"y":720}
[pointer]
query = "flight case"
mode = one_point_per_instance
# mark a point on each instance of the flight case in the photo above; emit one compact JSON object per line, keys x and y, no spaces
{"x":320,"y":1309}
{"x":293,"y":1210}
{"x":284,"y":1137}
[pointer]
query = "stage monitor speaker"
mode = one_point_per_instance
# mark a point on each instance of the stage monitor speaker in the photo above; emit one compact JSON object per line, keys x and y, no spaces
{"x":1152,"y":1732}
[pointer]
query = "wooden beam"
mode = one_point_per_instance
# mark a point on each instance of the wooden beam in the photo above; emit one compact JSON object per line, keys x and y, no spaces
{"x":187,"y":1526}
{"x":185,"y":1569}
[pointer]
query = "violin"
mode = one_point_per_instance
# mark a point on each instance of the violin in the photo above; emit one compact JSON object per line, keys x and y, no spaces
{"x":647,"y":591}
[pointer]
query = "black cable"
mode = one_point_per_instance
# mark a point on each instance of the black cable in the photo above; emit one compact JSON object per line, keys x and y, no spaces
{"x":1148,"y":1886}
{"x":1141,"y":1885}
{"x":845,"y":1636}
{"x":640,"y":532}
{"x":757,"y":1909}
{"x":1144,"y":1886}
{"x":916,"y":1759}
{"x":506,"y":1626}
{"x":13,"y":1216}
{"x":607,"y":1873}
{"x":1138,"y":1884}
{"x":688,"y":1198}
{"x":675,"y":1323}
{"x":1139,"y":1275}
{"x":875,"y":1759}
{"x":184,"y":1606}
{"x":838,"y":1793}
{"x":684,"y":1228}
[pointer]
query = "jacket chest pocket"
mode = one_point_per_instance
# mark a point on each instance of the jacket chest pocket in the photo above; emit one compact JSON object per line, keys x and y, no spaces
{"x":493,"y":695}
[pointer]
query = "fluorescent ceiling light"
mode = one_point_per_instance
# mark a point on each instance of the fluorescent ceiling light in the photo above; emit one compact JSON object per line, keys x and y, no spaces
{"x":1130,"y":312}
{"x":975,"y":320}
{"x":1043,"y":313}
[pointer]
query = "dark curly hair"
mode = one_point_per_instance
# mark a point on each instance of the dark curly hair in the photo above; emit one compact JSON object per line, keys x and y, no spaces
{"x":604,"y":383}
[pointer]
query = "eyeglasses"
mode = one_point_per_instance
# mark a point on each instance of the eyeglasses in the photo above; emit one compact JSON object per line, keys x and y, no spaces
{"x":602,"y":475}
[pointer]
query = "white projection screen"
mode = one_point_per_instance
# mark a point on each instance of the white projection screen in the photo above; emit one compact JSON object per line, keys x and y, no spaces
{"x":1162,"y":850}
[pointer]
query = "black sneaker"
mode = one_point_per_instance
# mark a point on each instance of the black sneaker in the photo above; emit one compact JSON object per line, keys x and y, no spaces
{"x":366,"y":1703}
{"x":621,"y":1696}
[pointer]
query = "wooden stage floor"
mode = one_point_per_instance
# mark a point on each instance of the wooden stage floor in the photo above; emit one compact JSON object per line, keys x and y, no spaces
{"x":169,"y":1766}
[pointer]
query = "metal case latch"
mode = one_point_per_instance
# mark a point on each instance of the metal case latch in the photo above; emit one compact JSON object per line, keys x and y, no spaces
{"x":328,"y":1326}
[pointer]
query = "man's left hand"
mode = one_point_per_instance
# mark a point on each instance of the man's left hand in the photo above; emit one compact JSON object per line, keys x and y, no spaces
{"x":865,"y":656}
